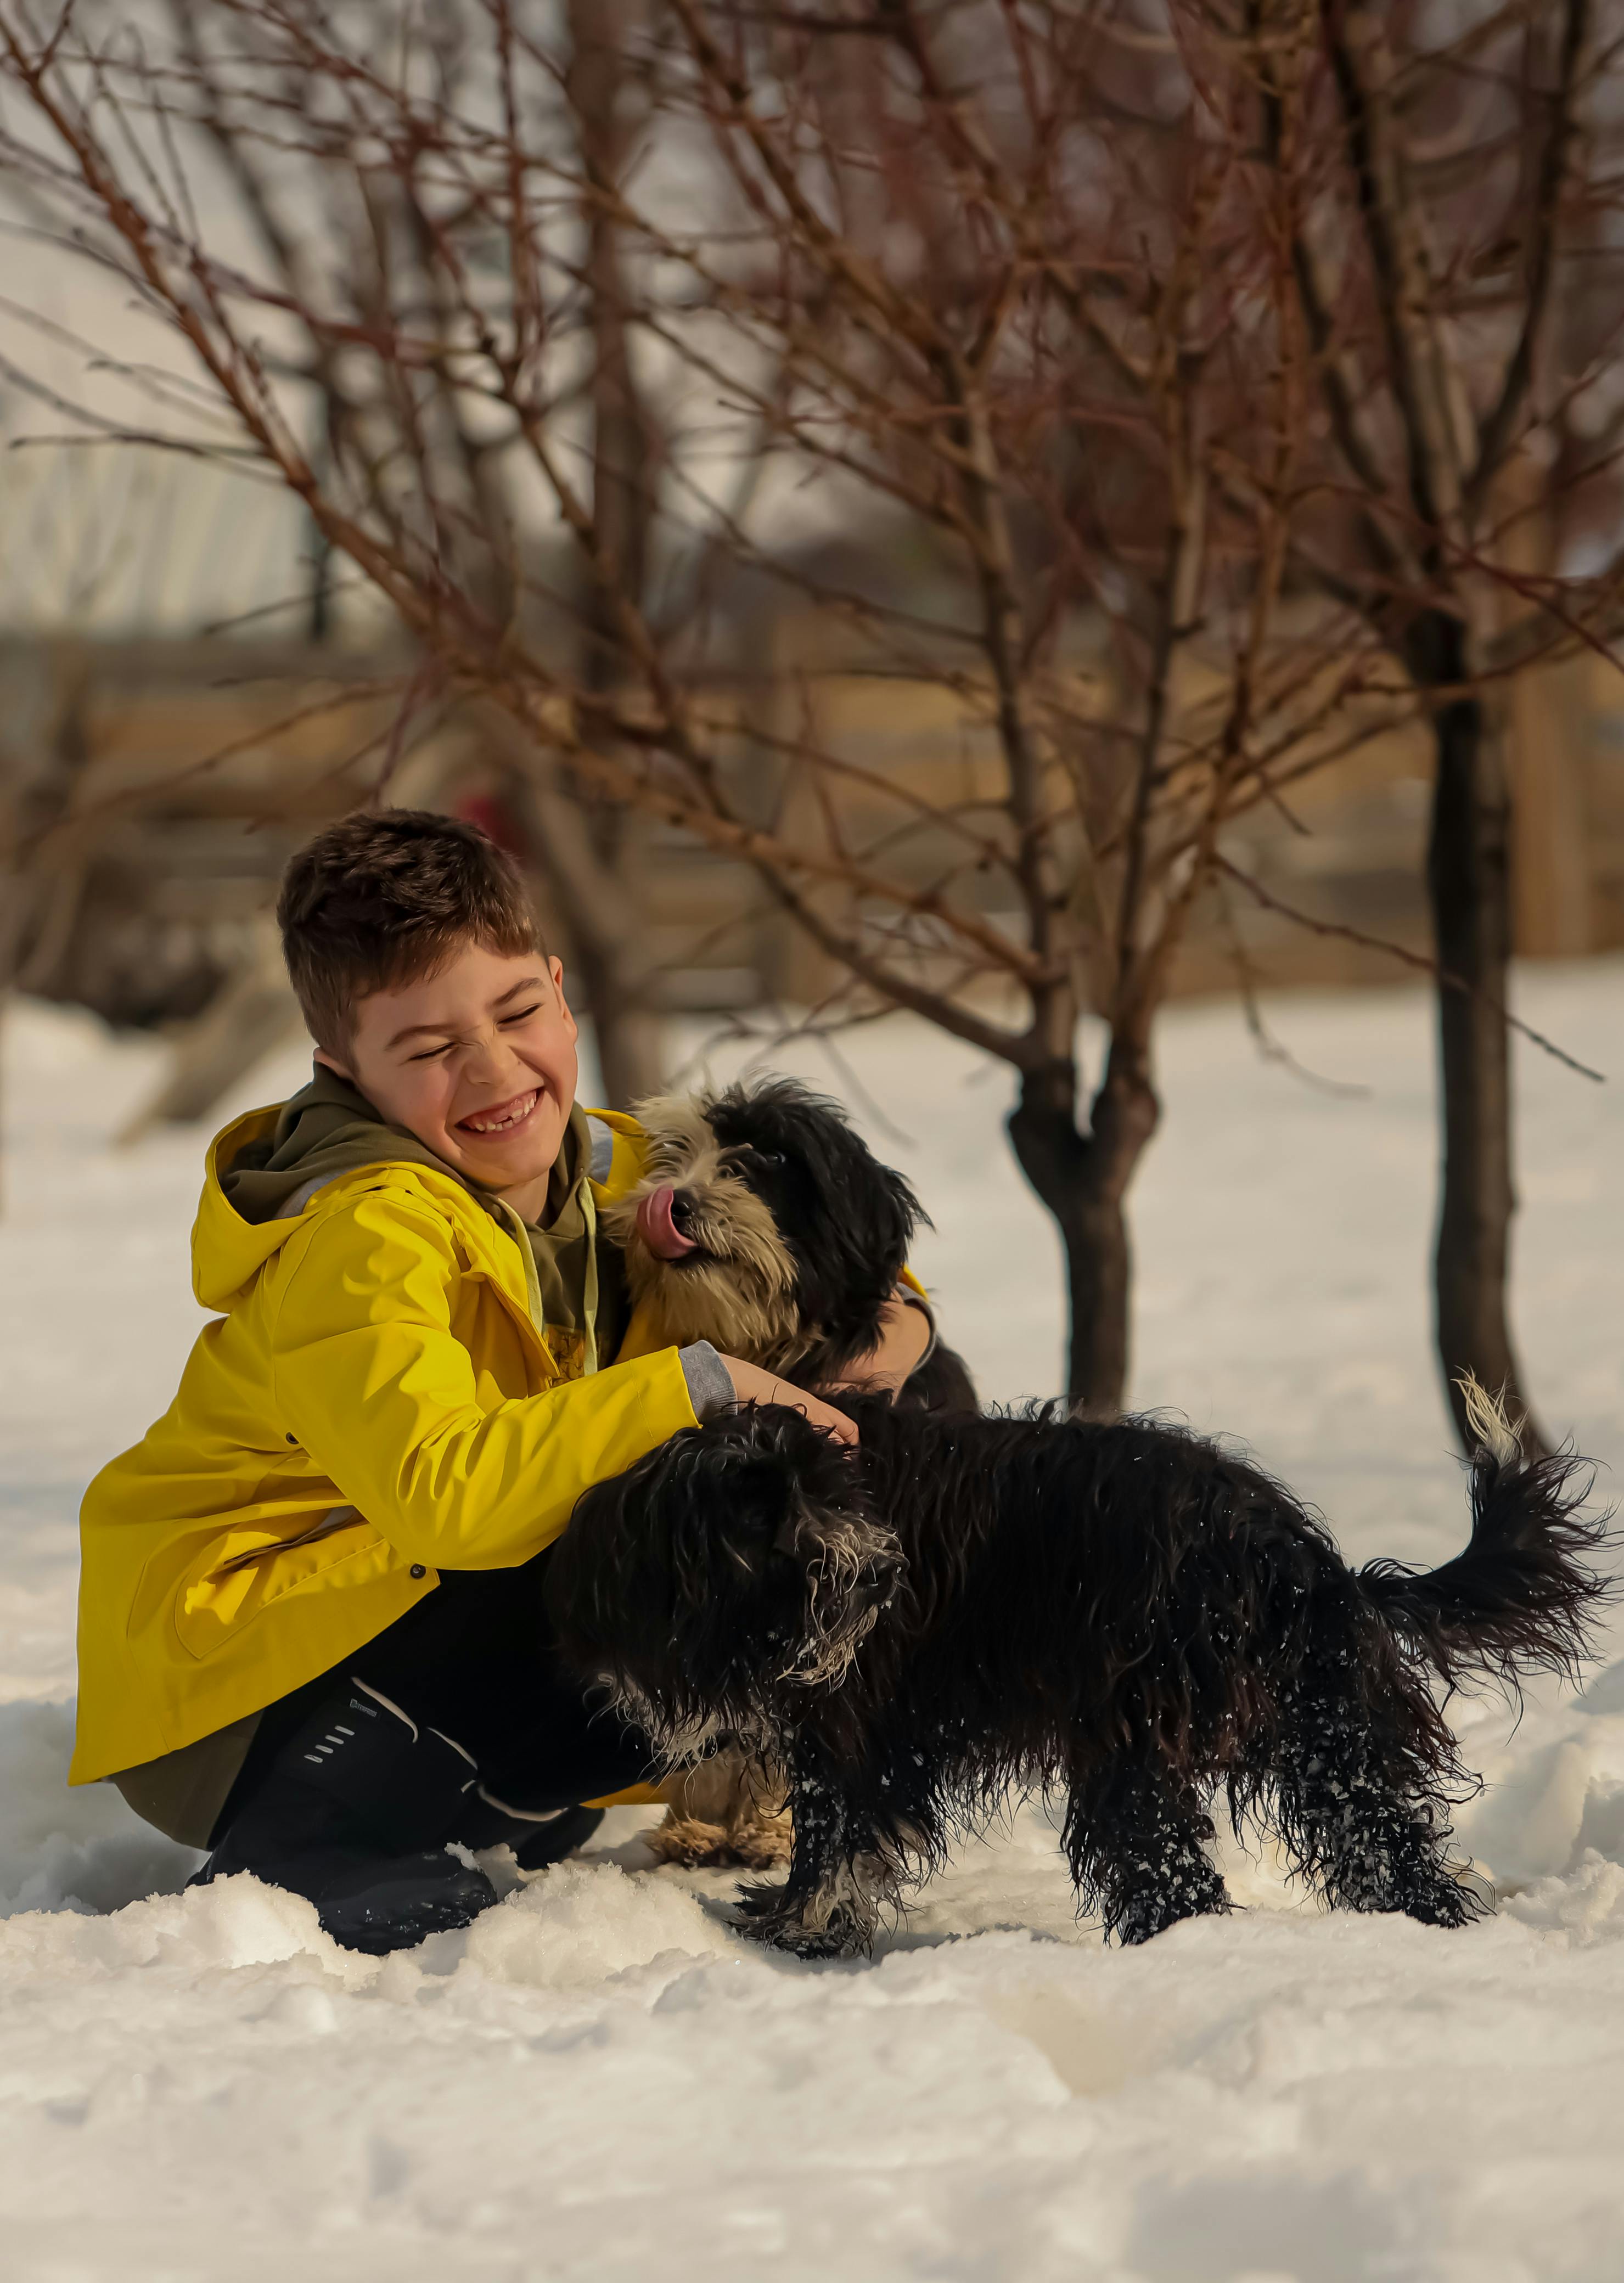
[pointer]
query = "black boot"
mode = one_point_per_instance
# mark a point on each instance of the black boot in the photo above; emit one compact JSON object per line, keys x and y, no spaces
{"x":560,"y":1834}
{"x":569,"y":1746}
{"x":353,"y":1811}
{"x":537,"y":1840}
{"x":540,"y":1828}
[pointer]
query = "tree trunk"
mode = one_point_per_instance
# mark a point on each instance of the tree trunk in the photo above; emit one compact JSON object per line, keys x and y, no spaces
{"x":592,"y":888}
{"x":1083,"y":1180}
{"x":1468,"y":882}
{"x":613,"y":963}
{"x":629,"y":1032}
{"x":616,"y":977}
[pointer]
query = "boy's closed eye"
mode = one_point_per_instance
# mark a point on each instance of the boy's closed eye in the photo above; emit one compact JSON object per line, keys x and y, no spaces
{"x":505,"y":1023}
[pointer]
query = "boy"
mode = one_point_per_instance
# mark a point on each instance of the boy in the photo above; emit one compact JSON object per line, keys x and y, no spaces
{"x":310,"y":1632}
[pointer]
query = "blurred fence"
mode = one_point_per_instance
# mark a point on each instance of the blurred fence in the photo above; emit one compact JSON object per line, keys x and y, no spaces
{"x":156,"y":788}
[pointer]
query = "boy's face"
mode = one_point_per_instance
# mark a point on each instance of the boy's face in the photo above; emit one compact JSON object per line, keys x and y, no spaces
{"x":478,"y":1061}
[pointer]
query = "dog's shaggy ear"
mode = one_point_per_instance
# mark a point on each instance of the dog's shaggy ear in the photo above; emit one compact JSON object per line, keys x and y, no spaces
{"x":756,"y":1509}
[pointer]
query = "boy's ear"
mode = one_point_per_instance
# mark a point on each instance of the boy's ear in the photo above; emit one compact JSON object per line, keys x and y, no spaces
{"x":555,"y":967}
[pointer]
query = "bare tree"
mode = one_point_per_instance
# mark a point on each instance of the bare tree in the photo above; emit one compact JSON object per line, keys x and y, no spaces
{"x":1010,"y":292}
{"x":1456,"y":261}
{"x":366,"y":235}
{"x":1024,"y":278}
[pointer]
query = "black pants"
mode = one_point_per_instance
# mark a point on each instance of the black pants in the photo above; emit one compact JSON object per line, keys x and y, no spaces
{"x":475,"y":1659}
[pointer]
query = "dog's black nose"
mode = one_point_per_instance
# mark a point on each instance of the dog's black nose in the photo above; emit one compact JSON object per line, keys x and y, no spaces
{"x":681,"y":1212}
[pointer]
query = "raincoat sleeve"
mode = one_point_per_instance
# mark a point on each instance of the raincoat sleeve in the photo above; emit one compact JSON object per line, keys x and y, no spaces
{"x":369,"y":1377}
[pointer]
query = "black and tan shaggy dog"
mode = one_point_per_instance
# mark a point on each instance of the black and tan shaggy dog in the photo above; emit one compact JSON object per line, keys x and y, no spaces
{"x":765,"y":1225}
{"x":1125,"y":1616}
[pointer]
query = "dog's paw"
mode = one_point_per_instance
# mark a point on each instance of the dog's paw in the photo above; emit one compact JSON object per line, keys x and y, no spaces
{"x":684,"y":1841}
{"x":765,"y":1844}
{"x":761,"y":1915}
{"x":754,"y":1908}
{"x":840,"y":1937}
{"x":1449,"y":1902}
{"x":1142,"y":1916}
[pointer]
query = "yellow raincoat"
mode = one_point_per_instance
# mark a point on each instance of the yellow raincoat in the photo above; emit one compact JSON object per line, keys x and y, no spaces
{"x":374,"y":1398}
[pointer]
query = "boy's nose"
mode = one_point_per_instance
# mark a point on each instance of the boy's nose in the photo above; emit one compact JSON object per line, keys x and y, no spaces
{"x":493,"y":1063}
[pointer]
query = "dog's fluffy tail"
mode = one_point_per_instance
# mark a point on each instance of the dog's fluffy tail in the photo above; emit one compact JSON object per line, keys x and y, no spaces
{"x":1523,"y":1596}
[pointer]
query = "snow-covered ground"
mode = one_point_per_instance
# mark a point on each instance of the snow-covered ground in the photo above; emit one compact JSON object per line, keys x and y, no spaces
{"x":599,"y":2080}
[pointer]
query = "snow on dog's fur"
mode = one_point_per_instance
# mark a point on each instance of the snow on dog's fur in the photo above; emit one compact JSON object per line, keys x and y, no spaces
{"x":1126,"y":1613}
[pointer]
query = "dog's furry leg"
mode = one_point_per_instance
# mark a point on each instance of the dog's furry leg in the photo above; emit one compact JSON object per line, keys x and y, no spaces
{"x":841,"y":1875}
{"x":727,"y":1809}
{"x":1137,"y":1849}
{"x":1350,"y":1809}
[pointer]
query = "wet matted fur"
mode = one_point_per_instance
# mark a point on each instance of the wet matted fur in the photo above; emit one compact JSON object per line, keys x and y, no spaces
{"x":1126,"y":1616}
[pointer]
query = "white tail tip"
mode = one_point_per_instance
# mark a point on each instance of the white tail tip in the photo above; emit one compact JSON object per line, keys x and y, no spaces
{"x":1491,"y":1426}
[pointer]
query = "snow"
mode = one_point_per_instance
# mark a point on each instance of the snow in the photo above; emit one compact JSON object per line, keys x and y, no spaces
{"x":599,"y":2080}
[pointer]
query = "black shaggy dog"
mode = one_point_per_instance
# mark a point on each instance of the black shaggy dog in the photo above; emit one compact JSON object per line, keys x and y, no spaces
{"x":965,"y":1605}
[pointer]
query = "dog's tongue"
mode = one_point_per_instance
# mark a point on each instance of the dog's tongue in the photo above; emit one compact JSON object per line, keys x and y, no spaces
{"x":656,"y":1228}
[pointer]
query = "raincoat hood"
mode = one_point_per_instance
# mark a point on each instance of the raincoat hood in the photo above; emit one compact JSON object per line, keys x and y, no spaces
{"x":227,"y":1252}
{"x":256,"y":1167}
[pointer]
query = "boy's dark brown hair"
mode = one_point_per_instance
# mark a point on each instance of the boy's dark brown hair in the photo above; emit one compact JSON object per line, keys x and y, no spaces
{"x":382,"y":898}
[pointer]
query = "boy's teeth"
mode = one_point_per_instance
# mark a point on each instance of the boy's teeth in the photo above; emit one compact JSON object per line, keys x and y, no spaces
{"x":510,"y":1117}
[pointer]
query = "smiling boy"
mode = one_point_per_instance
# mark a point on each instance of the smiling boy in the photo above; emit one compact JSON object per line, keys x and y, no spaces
{"x":310,"y":1629}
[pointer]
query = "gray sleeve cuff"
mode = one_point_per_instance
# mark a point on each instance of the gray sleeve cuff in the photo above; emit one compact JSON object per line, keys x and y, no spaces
{"x":710,"y":1389}
{"x":602,"y":1140}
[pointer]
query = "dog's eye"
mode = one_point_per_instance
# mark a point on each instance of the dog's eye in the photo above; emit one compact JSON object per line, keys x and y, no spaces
{"x":768,"y":1156}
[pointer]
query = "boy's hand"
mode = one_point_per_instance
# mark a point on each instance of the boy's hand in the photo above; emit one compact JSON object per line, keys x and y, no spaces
{"x":751,"y":1384}
{"x":904,"y":1335}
